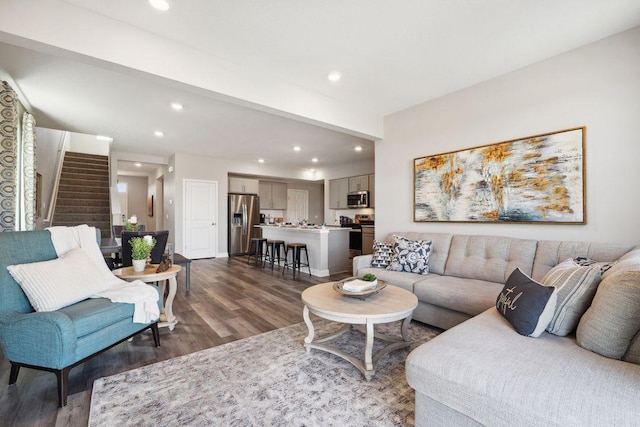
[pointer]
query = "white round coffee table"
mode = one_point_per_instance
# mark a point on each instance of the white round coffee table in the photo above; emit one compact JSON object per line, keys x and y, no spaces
{"x":388,"y":305}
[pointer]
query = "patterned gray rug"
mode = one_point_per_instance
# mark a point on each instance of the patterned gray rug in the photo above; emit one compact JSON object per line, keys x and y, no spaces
{"x":265,"y":380}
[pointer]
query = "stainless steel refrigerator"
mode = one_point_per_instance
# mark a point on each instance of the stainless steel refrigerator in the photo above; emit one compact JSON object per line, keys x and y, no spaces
{"x":244,"y":213}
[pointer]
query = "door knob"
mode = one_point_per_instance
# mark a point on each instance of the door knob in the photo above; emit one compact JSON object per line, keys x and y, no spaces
{"x":213,"y":223}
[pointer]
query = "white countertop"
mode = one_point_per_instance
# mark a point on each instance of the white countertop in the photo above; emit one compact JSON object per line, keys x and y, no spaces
{"x":317,"y":229}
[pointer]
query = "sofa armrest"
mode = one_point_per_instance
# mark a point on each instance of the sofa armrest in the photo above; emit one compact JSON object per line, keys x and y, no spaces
{"x":362,"y":261}
{"x":45,"y":339}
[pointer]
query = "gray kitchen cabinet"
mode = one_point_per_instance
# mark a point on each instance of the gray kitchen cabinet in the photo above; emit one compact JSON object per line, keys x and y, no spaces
{"x":359,"y":183}
{"x":273,"y":195}
{"x":372,"y":191}
{"x":244,"y":185}
{"x":368,"y":234}
{"x":338,"y":189}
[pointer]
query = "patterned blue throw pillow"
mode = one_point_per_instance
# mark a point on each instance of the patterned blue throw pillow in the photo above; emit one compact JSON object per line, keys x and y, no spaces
{"x":411,"y":256}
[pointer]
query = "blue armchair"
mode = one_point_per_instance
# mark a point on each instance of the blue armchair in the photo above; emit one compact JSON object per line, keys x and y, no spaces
{"x":60,"y":340}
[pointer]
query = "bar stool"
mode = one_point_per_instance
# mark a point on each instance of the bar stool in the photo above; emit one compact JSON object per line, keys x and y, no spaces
{"x":296,"y":249}
{"x":273,"y":250}
{"x":256,"y":249}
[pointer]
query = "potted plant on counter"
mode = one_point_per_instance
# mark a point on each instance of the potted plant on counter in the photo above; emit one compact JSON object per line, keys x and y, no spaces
{"x":140,"y":250}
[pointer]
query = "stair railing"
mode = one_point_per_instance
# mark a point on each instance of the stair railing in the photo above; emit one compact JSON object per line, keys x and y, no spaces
{"x":62,"y":150}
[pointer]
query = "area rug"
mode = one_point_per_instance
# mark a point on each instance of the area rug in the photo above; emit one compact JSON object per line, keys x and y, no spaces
{"x":265,"y":380}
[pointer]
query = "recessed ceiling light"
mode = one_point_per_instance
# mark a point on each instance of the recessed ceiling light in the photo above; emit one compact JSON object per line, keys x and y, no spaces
{"x":162,"y":5}
{"x":358,"y":148}
{"x":138,"y":164}
{"x":296,"y":148}
{"x":314,"y":160}
{"x":104,"y":138}
{"x":260,"y":160}
{"x":158,"y":133}
{"x":334,"y":77}
{"x":176,"y":106}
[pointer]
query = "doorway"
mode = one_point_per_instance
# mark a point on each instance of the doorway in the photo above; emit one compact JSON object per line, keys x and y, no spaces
{"x":297,"y":205}
{"x":201,"y":218}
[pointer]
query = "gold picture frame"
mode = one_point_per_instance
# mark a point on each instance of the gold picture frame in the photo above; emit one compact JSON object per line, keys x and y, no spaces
{"x":538,"y":179}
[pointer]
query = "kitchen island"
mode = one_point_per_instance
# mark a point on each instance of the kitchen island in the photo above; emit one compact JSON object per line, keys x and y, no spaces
{"x":328,"y":247}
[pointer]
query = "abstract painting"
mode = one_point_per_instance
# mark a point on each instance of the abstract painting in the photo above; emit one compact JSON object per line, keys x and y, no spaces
{"x":537,"y":179}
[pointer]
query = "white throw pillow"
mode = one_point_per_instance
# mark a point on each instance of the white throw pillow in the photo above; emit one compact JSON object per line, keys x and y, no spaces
{"x":576,"y":286}
{"x":627,"y":262}
{"x":51,"y":285}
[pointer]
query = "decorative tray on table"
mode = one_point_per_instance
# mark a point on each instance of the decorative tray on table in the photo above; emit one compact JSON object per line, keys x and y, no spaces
{"x":339,"y":287}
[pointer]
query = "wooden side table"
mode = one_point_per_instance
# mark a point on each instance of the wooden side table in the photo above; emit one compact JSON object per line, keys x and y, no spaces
{"x":182,"y":260}
{"x":149,"y":275}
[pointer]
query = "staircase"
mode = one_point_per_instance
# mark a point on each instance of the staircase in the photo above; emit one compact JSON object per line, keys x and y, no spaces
{"x":83,"y":192}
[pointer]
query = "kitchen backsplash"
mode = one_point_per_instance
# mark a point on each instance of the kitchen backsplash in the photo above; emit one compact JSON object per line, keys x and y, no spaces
{"x":351,"y":213}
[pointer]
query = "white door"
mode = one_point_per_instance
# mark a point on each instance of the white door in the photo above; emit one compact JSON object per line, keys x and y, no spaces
{"x":297,"y":205}
{"x":201,"y":219}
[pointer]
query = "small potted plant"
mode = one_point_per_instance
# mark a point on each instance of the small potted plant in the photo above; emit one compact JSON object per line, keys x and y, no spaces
{"x":370,"y":278}
{"x":140,"y":250}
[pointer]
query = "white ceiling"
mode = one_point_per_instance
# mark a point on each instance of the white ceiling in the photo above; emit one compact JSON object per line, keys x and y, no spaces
{"x":392,"y":55}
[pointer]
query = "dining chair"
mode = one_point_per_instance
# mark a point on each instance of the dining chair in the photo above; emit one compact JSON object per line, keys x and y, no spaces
{"x":156,"y":253}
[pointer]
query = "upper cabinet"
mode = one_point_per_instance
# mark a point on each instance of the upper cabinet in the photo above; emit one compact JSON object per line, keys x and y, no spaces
{"x":244,"y":185}
{"x":372,"y":191}
{"x":338,"y":189}
{"x":359,"y":183}
{"x":273,"y":195}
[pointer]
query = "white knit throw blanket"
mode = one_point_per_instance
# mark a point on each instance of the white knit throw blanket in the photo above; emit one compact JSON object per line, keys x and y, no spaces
{"x":144,"y":297}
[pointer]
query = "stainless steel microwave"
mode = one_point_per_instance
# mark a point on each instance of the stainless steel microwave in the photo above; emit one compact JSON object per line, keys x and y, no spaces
{"x":358,"y":199}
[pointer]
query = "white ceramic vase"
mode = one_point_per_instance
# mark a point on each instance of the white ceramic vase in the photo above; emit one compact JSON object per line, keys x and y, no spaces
{"x":138,"y":264}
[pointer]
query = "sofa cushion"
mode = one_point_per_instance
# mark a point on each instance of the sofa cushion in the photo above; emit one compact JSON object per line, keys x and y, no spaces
{"x":94,"y":314}
{"x":19,"y":248}
{"x":633,"y":352}
{"x":60,"y":282}
{"x":628,"y":262}
{"x":411,"y":256}
{"x":440,"y":245}
{"x":395,"y":278}
{"x":483,"y":369}
{"x":468,"y":296}
{"x":604,"y":266}
{"x":489,"y":258}
{"x":526,"y":304}
{"x":550,"y":253}
{"x":576,"y":287}
{"x":613,"y":319}
{"x":382,"y":254}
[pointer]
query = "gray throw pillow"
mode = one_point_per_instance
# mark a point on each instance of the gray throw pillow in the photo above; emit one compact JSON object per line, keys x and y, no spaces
{"x":576,"y":287}
{"x":613,"y":319}
{"x":526,"y":304}
{"x":633,"y":352}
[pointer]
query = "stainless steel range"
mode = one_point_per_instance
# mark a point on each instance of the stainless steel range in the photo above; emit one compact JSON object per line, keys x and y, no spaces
{"x":355,"y":236}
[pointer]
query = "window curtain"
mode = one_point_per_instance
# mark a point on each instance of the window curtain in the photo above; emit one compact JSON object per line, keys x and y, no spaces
{"x":8,"y":135}
{"x":26,"y":212}
{"x":17,"y":164}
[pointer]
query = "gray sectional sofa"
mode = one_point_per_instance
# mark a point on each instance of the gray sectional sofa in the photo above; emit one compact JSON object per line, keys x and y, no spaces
{"x":481,"y":371}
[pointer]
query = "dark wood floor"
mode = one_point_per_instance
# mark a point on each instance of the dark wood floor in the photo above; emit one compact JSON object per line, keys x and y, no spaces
{"x":229,"y":300}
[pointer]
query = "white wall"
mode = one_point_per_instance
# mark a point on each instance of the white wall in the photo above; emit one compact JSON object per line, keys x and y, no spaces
{"x":88,"y":144}
{"x":48,"y":142}
{"x":597,"y":86}
{"x":137,"y":188}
